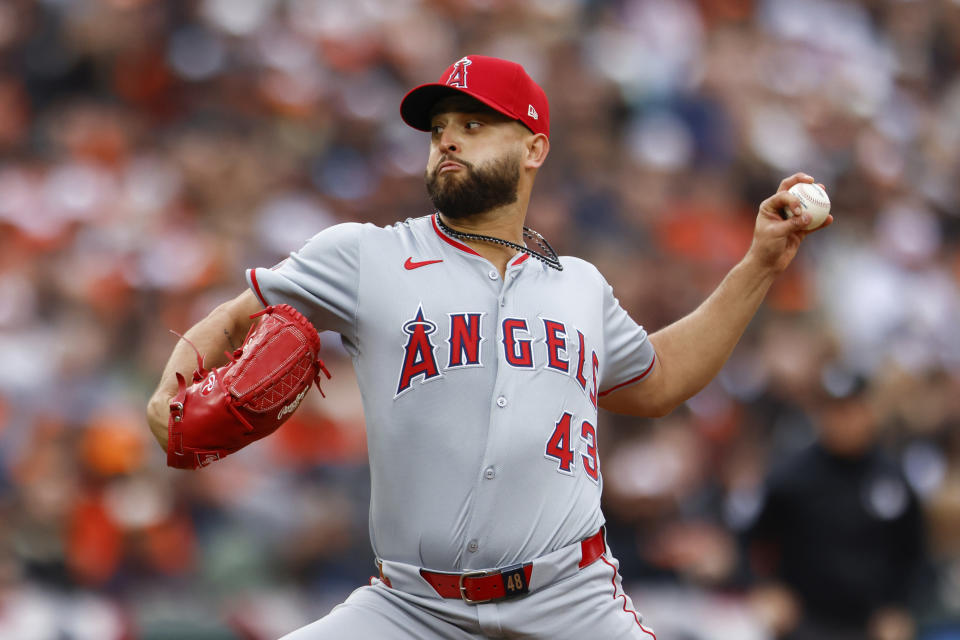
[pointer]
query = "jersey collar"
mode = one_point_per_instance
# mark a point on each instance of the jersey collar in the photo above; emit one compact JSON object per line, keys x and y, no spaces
{"x":514,"y":261}
{"x":451,"y":241}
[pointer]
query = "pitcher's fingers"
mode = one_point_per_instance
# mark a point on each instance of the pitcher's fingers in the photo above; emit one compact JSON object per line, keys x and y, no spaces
{"x":796,"y":178}
{"x":781,"y":203}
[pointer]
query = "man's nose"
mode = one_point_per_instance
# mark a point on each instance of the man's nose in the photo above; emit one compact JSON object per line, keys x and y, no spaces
{"x":449,"y":142}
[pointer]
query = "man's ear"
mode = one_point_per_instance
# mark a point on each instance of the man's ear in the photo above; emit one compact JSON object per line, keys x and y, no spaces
{"x":537,"y":146}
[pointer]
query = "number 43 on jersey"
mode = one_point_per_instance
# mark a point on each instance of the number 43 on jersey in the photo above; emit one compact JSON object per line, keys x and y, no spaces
{"x":561,"y":447}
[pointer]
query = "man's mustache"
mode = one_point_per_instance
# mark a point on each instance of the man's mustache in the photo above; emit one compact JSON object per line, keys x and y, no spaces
{"x":449,"y":158}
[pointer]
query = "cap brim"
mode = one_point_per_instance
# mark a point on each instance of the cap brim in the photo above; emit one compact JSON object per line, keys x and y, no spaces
{"x":416,"y":105}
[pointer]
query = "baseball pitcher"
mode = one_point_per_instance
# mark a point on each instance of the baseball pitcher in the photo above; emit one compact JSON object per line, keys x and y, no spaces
{"x":482,"y":358}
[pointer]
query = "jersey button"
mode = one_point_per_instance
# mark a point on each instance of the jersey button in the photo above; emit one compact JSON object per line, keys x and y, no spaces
{"x":492,"y":275}
{"x":490,"y":473}
{"x":501,"y":402}
{"x":473,"y":546}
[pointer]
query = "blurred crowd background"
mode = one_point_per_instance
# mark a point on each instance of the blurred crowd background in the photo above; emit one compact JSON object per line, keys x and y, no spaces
{"x":152,"y":150}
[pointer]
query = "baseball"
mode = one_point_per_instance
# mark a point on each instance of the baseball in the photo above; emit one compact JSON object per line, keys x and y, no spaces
{"x":814,"y":201}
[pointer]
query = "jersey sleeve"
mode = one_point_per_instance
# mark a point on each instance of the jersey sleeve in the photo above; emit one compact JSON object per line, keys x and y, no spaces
{"x":629,"y":352}
{"x":321,"y":280}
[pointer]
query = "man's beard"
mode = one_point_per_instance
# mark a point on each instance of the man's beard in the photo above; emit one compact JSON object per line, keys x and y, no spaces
{"x":483,"y":188}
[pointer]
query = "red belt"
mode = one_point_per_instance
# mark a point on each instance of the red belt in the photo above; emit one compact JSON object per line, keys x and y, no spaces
{"x":477,"y":587}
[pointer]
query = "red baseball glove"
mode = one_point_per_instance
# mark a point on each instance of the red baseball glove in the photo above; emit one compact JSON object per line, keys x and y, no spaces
{"x":227,"y":408}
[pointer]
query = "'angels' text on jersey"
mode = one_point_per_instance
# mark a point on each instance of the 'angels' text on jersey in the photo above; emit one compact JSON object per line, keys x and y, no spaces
{"x":463,"y":335}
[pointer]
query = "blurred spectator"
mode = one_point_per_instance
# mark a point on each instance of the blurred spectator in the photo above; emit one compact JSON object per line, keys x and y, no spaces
{"x":838,"y":544}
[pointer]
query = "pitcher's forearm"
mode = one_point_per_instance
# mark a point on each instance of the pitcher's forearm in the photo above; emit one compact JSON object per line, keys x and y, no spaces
{"x":696,"y":347}
{"x":691,"y":351}
{"x":221,"y":331}
{"x":211,"y":338}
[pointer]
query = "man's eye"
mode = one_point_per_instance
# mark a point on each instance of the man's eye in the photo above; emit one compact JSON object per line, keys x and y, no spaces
{"x":473,"y":124}
{"x":436,"y":129}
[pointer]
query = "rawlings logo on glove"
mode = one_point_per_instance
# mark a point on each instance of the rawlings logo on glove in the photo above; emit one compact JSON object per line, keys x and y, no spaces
{"x":290,"y":408}
{"x":227,"y":408}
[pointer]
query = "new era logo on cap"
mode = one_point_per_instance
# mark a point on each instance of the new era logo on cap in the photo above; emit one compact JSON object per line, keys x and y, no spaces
{"x":500,"y":84}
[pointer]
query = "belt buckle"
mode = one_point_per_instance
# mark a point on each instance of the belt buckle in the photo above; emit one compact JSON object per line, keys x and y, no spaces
{"x":463,"y":588}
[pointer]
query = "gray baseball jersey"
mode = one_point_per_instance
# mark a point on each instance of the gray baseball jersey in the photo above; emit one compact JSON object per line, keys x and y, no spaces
{"x":480,"y":392}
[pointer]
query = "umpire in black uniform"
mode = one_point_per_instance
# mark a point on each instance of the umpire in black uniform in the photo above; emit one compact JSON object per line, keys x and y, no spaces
{"x":838,"y":544}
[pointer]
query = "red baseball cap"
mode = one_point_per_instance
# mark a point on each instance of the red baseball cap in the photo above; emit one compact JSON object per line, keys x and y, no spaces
{"x":500,"y":84}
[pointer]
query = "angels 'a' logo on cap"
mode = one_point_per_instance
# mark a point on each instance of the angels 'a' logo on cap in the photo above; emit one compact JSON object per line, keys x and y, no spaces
{"x":458,"y":77}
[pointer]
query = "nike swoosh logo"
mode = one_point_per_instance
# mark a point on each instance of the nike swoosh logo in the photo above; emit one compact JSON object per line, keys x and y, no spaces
{"x":410,"y":265}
